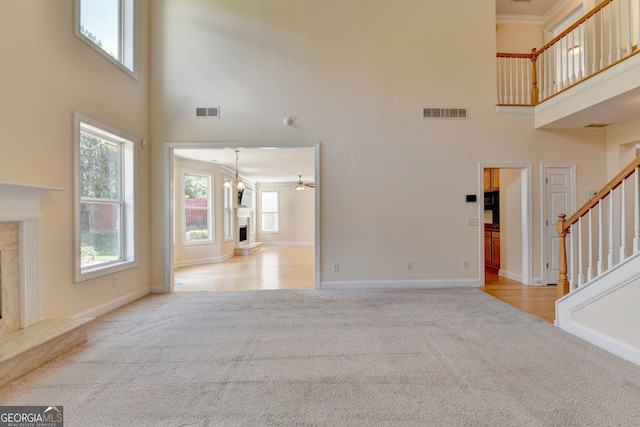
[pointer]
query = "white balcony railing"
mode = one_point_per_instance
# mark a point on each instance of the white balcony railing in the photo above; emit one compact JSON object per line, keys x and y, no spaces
{"x":606,"y":35}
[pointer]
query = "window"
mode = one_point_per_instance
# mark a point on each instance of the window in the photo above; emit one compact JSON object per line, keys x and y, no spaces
{"x":269,"y":212}
{"x":109,"y":27}
{"x":105,"y":200}
{"x":228,"y":213}
{"x":197,"y":208}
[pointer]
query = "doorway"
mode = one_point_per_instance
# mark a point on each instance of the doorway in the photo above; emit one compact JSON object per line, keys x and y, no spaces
{"x":517,"y":218}
{"x":169,"y":195}
{"x":558,"y":183}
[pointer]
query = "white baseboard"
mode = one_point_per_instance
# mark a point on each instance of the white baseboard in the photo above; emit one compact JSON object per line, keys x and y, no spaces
{"x":288,"y":243}
{"x":510,"y":275}
{"x":399,"y":284}
{"x":112,"y":305}
{"x":605,"y":342}
{"x":202,"y":260}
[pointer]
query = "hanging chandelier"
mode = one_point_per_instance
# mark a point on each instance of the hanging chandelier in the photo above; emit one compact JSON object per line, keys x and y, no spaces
{"x":237,"y":182}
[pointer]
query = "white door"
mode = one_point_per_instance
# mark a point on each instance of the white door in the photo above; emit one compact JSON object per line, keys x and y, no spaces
{"x":558,"y":197}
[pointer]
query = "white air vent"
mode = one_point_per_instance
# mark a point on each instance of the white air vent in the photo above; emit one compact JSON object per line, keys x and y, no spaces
{"x":444,"y":113}
{"x":208,"y":112}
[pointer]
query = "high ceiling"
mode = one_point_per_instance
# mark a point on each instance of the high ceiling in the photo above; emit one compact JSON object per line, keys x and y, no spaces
{"x":284,"y":164}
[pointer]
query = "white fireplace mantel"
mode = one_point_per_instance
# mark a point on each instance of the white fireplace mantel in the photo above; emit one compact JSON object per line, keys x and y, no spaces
{"x":21,"y":203}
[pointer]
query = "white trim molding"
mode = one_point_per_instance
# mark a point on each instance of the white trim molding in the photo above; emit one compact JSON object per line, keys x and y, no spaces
{"x":399,"y":284}
{"x":21,"y":203}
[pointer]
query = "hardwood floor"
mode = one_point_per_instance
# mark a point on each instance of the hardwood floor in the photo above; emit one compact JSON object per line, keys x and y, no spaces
{"x":272,"y":267}
{"x":292,"y":267}
{"x":538,"y":301}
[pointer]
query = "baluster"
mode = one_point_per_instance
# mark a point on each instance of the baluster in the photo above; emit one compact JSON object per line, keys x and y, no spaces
{"x":517,"y":78}
{"x":610,"y":257}
{"x":629,"y":27}
{"x":505,"y":98}
{"x":590,"y":252}
{"x":601,"y":32}
{"x":511,"y":78}
{"x":580,"y":274}
{"x":636,"y":211}
{"x":594,"y":53}
{"x":623,"y":220}
{"x":638,"y":28}
{"x":610,"y":35}
{"x":600,"y":243}
{"x":619,"y":32}
{"x":572,"y":247}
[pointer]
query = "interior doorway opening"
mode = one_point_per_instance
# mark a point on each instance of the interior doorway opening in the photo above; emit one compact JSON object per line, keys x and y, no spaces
{"x":506,"y":229}
{"x":220,"y":241}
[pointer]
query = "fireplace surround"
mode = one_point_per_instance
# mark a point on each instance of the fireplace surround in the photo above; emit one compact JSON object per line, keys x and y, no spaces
{"x":20,"y":211}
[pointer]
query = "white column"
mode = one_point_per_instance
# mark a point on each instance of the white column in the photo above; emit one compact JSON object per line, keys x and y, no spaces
{"x":29,"y":273}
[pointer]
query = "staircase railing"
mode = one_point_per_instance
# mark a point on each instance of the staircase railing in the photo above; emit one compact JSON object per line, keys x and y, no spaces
{"x":605,"y":36}
{"x":601,"y":232}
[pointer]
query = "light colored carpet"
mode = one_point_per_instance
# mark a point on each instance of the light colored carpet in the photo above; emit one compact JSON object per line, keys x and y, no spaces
{"x":437,"y":357}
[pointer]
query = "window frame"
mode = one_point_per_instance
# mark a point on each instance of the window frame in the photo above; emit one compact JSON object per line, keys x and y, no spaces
{"x":128,"y":184}
{"x":276,"y":212}
{"x":127,"y":36}
{"x":210,"y":206}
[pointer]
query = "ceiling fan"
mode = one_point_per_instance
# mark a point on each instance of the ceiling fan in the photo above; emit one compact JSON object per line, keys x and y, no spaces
{"x":301,"y":185}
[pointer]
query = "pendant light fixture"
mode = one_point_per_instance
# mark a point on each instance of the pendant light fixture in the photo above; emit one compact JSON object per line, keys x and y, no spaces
{"x":237,"y":182}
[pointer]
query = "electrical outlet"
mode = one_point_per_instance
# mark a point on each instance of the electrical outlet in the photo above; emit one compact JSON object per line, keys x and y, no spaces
{"x":409,"y":266}
{"x":114,"y":281}
{"x":335,"y":267}
{"x":465,"y":264}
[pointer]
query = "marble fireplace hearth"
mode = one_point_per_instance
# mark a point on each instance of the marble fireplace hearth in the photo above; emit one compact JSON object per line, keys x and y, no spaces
{"x":26,"y":340}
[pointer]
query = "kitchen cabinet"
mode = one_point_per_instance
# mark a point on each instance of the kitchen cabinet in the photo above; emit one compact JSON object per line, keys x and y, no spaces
{"x":492,"y":247}
{"x":491,"y":179}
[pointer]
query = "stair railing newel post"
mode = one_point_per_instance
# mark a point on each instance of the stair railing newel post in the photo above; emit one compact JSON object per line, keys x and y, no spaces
{"x":534,"y":77}
{"x":563,"y":283}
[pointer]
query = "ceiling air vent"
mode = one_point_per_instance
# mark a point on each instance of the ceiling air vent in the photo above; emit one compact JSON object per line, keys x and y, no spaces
{"x":520,"y":1}
{"x":597,"y":125}
{"x":208,"y":112}
{"x":444,"y":113}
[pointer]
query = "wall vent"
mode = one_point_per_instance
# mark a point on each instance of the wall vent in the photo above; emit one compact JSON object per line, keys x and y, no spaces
{"x":208,"y":112}
{"x":444,"y":113}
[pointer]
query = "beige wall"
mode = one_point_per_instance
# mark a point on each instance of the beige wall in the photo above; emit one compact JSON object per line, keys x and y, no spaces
{"x":511,"y":223}
{"x":519,"y":38}
{"x":297,"y":215}
{"x":47,"y":75}
{"x":393,"y":184}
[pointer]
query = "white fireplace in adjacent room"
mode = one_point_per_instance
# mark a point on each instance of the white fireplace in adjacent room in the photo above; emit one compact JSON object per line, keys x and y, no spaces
{"x":20,"y":255}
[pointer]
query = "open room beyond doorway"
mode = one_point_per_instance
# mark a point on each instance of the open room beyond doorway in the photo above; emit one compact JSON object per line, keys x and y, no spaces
{"x":235,"y":234}
{"x":516,"y":212}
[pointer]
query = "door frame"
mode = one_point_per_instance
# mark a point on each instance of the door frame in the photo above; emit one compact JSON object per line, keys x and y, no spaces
{"x":168,"y":196}
{"x":526,"y":183}
{"x":545,"y":203}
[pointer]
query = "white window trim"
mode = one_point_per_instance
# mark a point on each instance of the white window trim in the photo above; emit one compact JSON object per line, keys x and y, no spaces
{"x":131,"y":18}
{"x":129,"y":175}
{"x":262,"y":212}
{"x":210,"y":218}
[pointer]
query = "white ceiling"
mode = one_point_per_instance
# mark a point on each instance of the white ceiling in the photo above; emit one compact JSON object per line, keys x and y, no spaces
{"x":263,"y":164}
